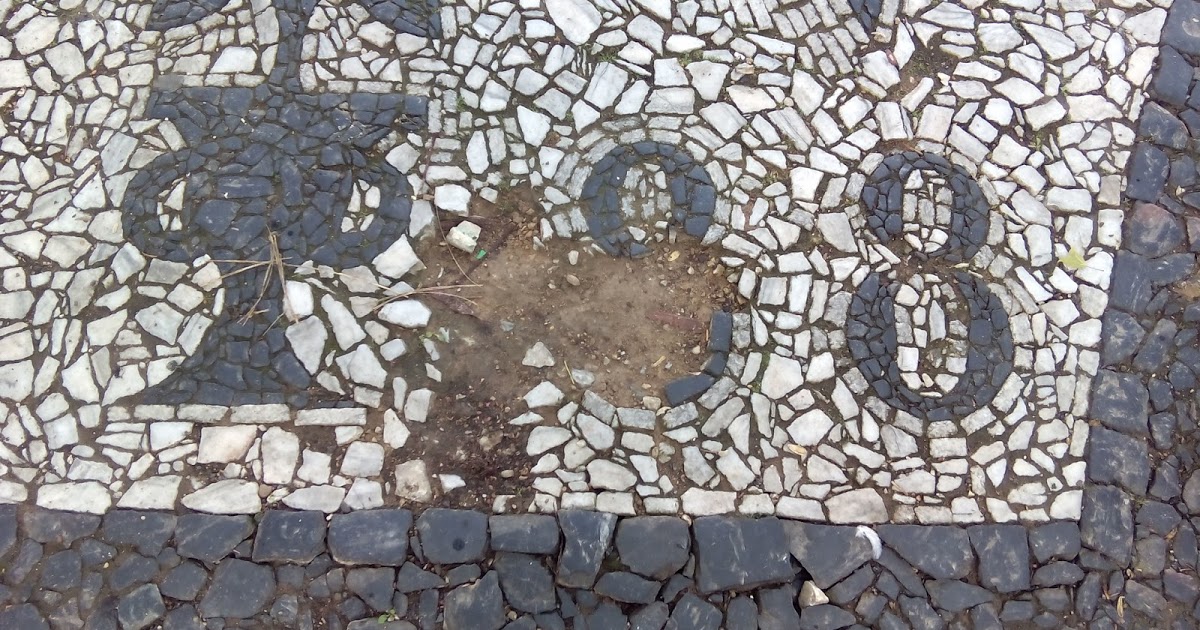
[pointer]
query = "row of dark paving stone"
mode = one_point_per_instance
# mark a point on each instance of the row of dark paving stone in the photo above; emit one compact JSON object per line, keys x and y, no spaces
{"x":464,"y":570}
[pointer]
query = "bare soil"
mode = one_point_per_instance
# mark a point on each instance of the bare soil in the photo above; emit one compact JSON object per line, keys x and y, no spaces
{"x":635,"y":325}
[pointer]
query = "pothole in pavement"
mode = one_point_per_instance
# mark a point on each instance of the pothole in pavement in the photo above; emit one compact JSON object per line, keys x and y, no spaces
{"x":623,"y":328}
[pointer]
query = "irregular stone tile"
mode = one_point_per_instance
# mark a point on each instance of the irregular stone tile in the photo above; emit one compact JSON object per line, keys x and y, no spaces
{"x":1107,"y":522}
{"x":1145,"y":599}
{"x":524,"y":533}
{"x":477,"y":606}
{"x":183,"y":618}
{"x":1147,"y":173}
{"x":62,"y":571}
{"x":1003,"y":552}
{"x":184,"y":582}
{"x":131,"y":571}
{"x":8,"y":528}
{"x":627,"y":588}
{"x":740,"y":614}
{"x":825,"y":616}
{"x":956,"y":596}
{"x":941,"y":552}
{"x":654,"y":546}
{"x":777,"y":609}
{"x":239,"y":590}
{"x":140,"y":608}
{"x":1058,"y":574}
{"x":586,"y":539}
{"x":60,"y":528}
{"x":373,"y":585}
{"x":738,"y":553}
{"x":285,"y":536}
{"x":827,"y":552}
{"x":693,"y":613}
{"x":23,"y":616}
{"x":1117,"y":458}
{"x":1152,"y":230}
{"x":527,"y":585}
{"x":1055,"y":541}
{"x":210,"y":537}
{"x":370,"y":537}
{"x":453,"y":536}
{"x":412,"y":578}
{"x":919,"y":613}
{"x":606,"y":616}
{"x":1121,"y":402}
{"x":148,"y":531}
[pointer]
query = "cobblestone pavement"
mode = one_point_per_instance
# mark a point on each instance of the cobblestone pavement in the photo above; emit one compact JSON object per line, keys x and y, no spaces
{"x":957,"y":388}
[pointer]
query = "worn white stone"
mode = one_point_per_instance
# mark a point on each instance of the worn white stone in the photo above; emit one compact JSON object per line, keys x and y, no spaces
{"x":412,"y":481}
{"x":228,"y":496}
{"x":406,"y":313}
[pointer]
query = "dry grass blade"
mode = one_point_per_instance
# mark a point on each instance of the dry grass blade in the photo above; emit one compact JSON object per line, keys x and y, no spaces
{"x":440,"y":290}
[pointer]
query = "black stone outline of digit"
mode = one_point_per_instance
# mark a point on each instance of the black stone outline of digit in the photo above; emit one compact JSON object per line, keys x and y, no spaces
{"x":872,"y":336}
{"x":693,"y":196}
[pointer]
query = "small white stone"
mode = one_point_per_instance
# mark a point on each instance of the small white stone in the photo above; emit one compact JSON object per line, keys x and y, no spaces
{"x":810,"y":428}
{"x":811,"y":596}
{"x":153,"y":493}
{"x":364,"y":494}
{"x":464,"y":236}
{"x":782,"y":377}
{"x":412,"y":481}
{"x":610,"y":476}
{"x":453,"y":198}
{"x":398,"y":259}
{"x":406,"y":313}
{"x":542,"y":439}
{"x":577,"y":19}
{"x":363,"y":459}
{"x":221,"y":445}
{"x":327,"y":499}
{"x":280,"y":452}
{"x":228,"y":496}
{"x":416,"y":409}
{"x":235,"y":59}
{"x":697,"y":502}
{"x":538,"y":356}
{"x":544,"y":395}
{"x":89,"y":497}
{"x":857,"y":506}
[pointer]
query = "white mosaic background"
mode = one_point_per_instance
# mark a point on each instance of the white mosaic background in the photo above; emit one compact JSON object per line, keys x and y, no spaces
{"x":788,"y":105}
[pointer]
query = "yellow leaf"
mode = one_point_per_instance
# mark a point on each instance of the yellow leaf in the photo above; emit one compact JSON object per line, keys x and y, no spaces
{"x":674,"y":256}
{"x":1073,"y":259}
{"x":797,"y":450}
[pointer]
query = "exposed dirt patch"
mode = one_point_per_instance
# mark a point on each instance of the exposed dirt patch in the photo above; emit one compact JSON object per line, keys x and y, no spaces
{"x":635,"y":325}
